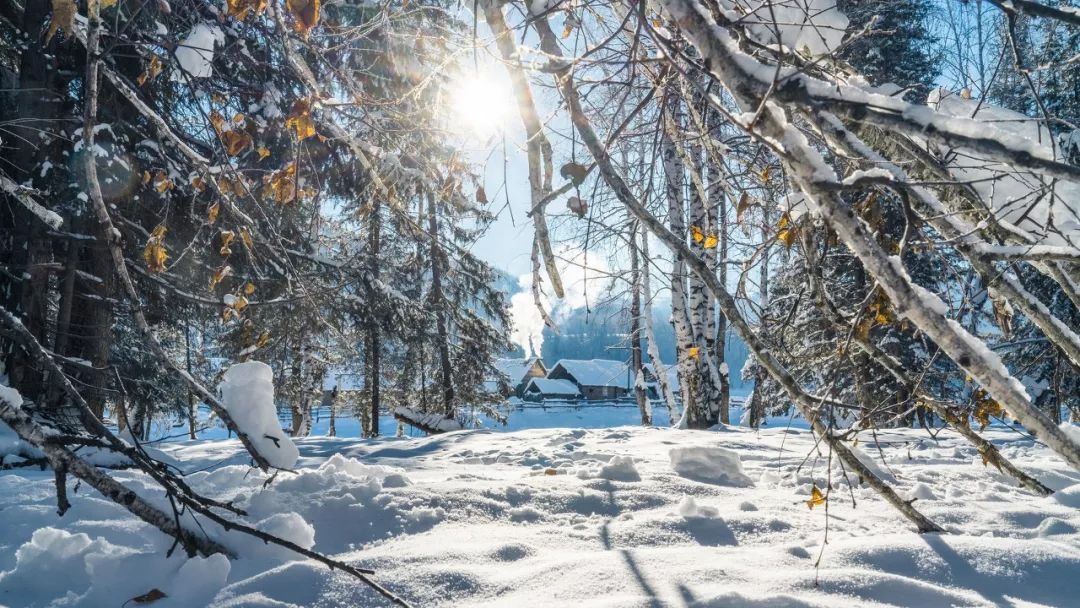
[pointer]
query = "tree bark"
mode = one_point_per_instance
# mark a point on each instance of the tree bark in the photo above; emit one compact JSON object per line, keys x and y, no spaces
{"x":438,"y":306}
{"x":640,"y":394}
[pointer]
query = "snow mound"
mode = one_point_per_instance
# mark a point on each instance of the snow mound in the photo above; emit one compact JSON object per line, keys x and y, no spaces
{"x":620,"y":468}
{"x":709,"y":465}
{"x":921,"y":491}
{"x":96,"y":572}
{"x":247,"y":391}
{"x":1070,"y":496}
{"x":689,"y":509}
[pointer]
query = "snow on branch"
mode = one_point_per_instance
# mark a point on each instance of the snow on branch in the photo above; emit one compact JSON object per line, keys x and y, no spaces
{"x":431,"y":422}
{"x":22,"y":195}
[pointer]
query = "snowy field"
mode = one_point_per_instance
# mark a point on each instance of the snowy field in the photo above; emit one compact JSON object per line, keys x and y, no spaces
{"x":617,"y":517}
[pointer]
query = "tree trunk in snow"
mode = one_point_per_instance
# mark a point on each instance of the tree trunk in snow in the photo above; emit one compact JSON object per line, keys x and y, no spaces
{"x":640,"y":393}
{"x":373,"y":354}
{"x":717,"y":261}
{"x":438,"y":306}
{"x":700,"y":301}
{"x":659,"y":368}
{"x":674,"y":176}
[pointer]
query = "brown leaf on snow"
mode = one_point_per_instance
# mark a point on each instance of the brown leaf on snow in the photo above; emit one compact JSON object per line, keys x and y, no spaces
{"x":150,"y":596}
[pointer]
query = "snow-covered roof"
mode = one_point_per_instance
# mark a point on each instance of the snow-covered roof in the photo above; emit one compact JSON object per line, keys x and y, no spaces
{"x":672,"y":373}
{"x":516,"y":369}
{"x":596,"y":372}
{"x":548,"y":386}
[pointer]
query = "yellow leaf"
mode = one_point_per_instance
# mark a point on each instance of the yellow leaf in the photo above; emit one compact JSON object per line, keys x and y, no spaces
{"x":217,"y":120}
{"x":787,"y":232}
{"x":696,"y":232}
{"x":107,"y":3}
{"x":569,"y":29}
{"x":245,"y":237}
{"x":742,"y":206}
{"x":282,"y":184}
{"x":263,"y":152}
{"x":816,"y":498}
{"x":711,"y":241}
{"x":305,"y":14}
{"x":985,"y":408}
{"x":784,"y":221}
{"x":63,"y":16}
{"x":238,"y":119}
{"x":227,"y":237}
{"x":231,"y":186}
{"x":212,"y":213}
{"x":235,"y":142}
{"x":198,"y":184}
{"x":154,"y":253}
{"x":264,"y":337}
{"x":151,"y":72}
{"x":242,"y":8}
{"x":146,"y":177}
{"x":765,"y":174}
{"x":162,"y":183}
{"x":574,"y":172}
{"x":693,"y":352}
{"x":219,"y":275}
{"x":299,"y":119}
{"x":249,"y":288}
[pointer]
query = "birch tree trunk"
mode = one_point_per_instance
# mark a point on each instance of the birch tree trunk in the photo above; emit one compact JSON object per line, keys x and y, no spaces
{"x":640,"y":393}
{"x":659,"y":368}
{"x":674,"y":175}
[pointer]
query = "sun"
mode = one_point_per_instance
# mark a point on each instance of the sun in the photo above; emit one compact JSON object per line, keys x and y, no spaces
{"x":480,"y":104}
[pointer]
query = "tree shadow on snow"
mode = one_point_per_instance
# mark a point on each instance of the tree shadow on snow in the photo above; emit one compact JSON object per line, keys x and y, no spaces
{"x":632,"y":565}
{"x":963,"y":574}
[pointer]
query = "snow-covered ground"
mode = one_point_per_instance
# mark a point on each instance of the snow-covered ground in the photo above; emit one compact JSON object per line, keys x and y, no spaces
{"x":570,"y":517}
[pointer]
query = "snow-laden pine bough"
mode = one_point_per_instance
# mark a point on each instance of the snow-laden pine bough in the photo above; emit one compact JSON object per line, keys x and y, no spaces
{"x":104,"y":218}
{"x":759,"y":89}
{"x":807,"y":404}
{"x":40,"y":432}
